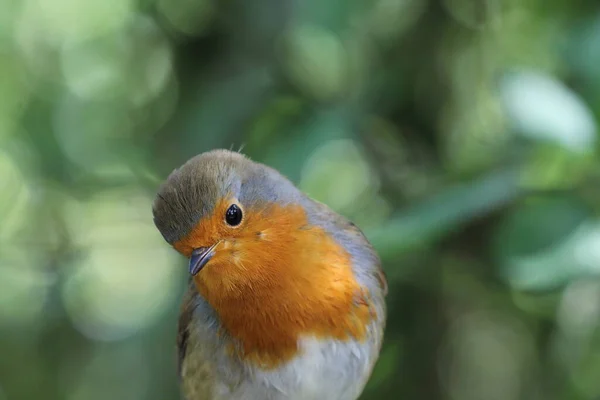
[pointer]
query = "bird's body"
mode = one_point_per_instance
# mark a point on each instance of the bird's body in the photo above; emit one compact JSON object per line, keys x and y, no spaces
{"x":289,"y":303}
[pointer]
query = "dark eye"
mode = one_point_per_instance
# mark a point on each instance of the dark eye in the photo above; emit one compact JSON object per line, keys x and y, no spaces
{"x":233,"y":216}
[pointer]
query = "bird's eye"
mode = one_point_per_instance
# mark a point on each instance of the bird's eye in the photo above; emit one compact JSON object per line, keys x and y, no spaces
{"x":233,"y":216}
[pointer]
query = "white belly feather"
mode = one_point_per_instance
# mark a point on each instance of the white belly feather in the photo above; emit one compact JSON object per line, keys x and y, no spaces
{"x":326,"y":369}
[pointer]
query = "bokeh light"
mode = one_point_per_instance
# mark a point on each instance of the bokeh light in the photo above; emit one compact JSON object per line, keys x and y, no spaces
{"x":122,"y":285}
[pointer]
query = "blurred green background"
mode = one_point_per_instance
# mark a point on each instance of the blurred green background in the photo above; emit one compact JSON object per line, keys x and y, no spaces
{"x":461,"y":136}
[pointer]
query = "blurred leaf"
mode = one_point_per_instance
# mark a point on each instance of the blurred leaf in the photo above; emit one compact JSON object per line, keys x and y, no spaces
{"x":428,"y":221}
{"x":542,"y":108}
{"x":536,"y":246}
{"x":520,"y":232}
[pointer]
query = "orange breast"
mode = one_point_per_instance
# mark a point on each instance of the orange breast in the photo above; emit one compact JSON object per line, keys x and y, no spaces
{"x":276,"y":279}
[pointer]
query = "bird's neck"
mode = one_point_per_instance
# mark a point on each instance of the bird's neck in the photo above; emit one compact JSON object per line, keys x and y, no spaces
{"x":311,"y":294}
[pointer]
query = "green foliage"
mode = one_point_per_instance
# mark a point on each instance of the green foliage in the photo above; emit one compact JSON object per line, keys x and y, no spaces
{"x":460,"y":136}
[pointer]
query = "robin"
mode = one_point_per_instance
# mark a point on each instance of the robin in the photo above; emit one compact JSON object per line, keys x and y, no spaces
{"x":286,"y":298}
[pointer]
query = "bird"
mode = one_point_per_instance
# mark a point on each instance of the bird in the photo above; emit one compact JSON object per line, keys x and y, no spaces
{"x":285,"y":300}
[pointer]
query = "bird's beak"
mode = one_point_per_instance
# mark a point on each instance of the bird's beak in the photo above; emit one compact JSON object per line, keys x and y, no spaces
{"x":200,"y":257}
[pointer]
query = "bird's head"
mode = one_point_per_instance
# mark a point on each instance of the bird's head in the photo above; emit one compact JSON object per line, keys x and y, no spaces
{"x":233,"y":218}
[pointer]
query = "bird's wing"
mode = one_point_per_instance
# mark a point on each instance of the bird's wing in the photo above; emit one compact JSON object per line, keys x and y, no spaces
{"x":195,"y":370}
{"x":379,"y":272}
{"x":185,"y":320}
